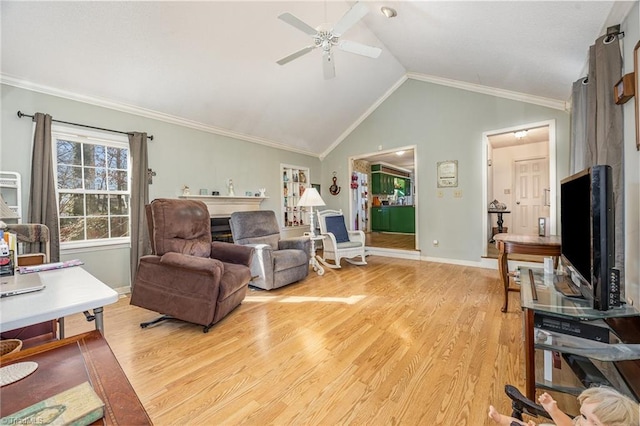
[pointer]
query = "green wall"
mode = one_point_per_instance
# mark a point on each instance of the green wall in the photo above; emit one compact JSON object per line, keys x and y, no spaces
{"x":179,"y":155}
{"x":445,"y":124}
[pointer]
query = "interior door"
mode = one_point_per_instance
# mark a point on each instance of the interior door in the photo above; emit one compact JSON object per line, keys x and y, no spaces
{"x":532,"y":195}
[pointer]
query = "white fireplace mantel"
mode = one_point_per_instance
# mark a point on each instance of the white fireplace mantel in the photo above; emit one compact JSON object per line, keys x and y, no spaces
{"x":223,"y":206}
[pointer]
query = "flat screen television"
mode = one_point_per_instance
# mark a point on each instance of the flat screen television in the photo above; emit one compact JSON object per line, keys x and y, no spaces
{"x":587,"y":232}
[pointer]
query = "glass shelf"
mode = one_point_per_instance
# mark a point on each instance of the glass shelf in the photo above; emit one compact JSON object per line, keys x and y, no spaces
{"x":546,"y":339}
{"x":552,"y":302}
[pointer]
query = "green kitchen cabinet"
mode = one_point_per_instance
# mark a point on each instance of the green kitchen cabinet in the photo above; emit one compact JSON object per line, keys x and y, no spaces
{"x":402,"y":219}
{"x":375,"y":183}
{"x":393,"y":219}
{"x":379,"y":219}
{"x":381,"y":183}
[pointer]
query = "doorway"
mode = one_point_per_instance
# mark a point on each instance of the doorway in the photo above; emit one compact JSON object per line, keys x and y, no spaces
{"x":519,"y":171}
{"x":402,"y":159}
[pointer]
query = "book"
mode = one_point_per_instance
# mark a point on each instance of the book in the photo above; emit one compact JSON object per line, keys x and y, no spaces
{"x":77,"y":406}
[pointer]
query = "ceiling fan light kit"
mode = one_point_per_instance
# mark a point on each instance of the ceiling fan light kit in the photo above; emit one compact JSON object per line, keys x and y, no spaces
{"x":389,"y":12}
{"x":325,"y":38}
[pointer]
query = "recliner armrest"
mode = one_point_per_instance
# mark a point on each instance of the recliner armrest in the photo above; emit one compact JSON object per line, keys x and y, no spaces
{"x":193,"y":263}
{"x":296,"y":243}
{"x":232,"y":253}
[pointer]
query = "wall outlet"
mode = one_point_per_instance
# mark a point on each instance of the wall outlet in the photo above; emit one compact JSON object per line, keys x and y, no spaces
{"x":507,"y":191}
{"x":457,"y":194}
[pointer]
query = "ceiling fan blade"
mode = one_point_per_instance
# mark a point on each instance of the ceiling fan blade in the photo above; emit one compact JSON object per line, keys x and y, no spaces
{"x":298,"y":23}
{"x":350,"y":18}
{"x":295,"y":55}
{"x":360,"y":49}
{"x":328,"y":69}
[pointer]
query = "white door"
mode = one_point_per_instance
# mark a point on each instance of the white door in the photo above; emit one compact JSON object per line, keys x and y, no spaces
{"x":532,"y":195}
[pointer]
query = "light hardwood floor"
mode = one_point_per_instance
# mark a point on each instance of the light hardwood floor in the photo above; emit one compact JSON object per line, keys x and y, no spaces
{"x":392,"y":241}
{"x":394,"y":342}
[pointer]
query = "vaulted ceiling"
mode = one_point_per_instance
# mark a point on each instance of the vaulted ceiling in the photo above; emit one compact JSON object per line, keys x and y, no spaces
{"x":212,"y":64}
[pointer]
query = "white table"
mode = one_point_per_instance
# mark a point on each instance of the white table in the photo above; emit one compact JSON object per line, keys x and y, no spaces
{"x":67,"y":291}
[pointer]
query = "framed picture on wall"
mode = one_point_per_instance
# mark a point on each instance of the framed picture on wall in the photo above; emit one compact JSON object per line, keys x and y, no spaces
{"x":636,"y":69}
{"x":448,"y":174}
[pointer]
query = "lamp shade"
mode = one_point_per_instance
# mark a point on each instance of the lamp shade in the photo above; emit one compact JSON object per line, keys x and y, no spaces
{"x":5,"y":210}
{"x":311,"y":198}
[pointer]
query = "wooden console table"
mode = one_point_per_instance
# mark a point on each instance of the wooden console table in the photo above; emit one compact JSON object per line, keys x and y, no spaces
{"x":522,"y":244}
{"x":69,"y":362}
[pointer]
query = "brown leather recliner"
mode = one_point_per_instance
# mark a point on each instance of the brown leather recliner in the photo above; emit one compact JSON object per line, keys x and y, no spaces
{"x":188,"y":276}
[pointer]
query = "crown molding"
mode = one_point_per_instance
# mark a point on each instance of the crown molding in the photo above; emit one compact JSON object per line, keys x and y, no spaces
{"x":147,"y":113}
{"x":366,"y":114}
{"x":500,"y":93}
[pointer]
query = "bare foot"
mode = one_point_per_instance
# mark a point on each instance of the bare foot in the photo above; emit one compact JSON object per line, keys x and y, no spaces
{"x":501,"y":418}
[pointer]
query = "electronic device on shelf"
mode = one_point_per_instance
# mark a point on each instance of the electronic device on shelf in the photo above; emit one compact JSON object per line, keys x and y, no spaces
{"x":587,"y":234}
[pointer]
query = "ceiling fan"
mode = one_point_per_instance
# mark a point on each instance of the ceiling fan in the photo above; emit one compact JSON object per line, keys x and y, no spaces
{"x":326,"y":37}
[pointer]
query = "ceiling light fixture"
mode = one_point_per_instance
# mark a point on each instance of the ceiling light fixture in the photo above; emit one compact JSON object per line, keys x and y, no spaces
{"x":388,"y":12}
{"x":399,"y":153}
{"x":520,"y":134}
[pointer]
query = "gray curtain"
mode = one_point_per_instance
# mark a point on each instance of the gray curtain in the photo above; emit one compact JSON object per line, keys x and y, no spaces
{"x":597,"y":127}
{"x":139,"y":199}
{"x":43,"y":206}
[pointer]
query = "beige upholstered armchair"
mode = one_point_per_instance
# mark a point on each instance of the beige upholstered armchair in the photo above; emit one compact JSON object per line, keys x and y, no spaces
{"x":189,"y":277}
{"x":340,"y":243}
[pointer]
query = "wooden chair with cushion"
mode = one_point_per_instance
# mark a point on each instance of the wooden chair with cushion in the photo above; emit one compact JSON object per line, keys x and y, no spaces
{"x":339,"y":242}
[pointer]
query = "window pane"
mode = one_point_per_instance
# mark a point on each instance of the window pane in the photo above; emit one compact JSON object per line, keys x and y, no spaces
{"x":69,"y":152}
{"x":118,"y":180}
{"x":72,"y":229}
{"x":69,"y":177}
{"x":97,"y":228}
{"x":95,"y":155}
{"x":117,"y":158}
{"x":95,"y":178}
{"x":93,"y":187}
{"x":97,"y":204}
{"x":119,"y":227}
{"x":71,"y":205}
{"x":119,"y":204}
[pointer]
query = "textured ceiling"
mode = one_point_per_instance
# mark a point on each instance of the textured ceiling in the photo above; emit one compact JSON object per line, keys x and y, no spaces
{"x":212,"y":65}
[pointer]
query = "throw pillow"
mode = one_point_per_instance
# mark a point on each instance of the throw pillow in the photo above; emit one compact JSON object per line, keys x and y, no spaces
{"x":335,"y":225}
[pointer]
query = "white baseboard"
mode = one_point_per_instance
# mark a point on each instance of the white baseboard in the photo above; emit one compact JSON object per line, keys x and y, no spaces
{"x":123,"y":290}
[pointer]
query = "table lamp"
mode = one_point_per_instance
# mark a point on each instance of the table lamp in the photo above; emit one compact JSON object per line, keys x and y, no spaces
{"x":310,"y":198}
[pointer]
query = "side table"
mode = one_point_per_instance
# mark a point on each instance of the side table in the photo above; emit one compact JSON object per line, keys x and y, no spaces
{"x":313,"y":261}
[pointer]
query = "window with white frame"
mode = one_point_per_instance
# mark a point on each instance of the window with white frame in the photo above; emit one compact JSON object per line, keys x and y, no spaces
{"x":92,"y":185}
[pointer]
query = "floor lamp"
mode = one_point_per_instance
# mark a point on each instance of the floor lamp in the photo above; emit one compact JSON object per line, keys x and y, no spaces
{"x":310,"y":198}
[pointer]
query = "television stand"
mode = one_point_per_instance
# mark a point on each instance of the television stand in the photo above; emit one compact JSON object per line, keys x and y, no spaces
{"x":569,"y":343}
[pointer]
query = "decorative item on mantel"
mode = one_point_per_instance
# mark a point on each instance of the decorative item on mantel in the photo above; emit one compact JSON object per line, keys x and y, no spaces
{"x":334,"y":189}
{"x":262,"y":192}
{"x":230,"y":191}
{"x":186,"y":190}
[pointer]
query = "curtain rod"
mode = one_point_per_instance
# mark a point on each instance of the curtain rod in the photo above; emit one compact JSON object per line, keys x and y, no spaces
{"x":21,"y":114}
